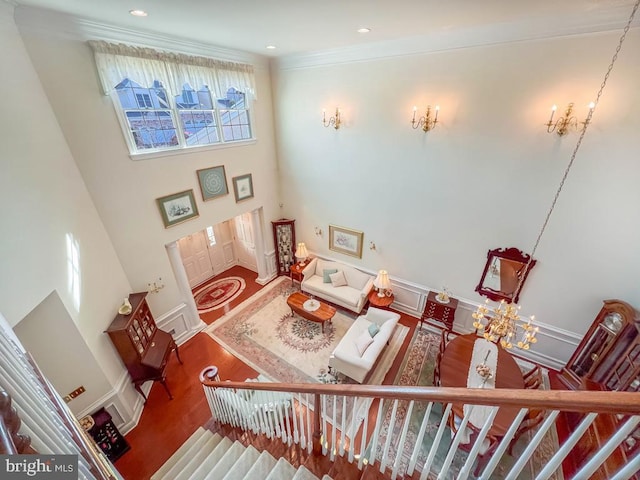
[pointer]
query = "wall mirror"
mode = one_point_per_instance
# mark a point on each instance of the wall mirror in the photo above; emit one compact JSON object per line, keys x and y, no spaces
{"x":502,"y":273}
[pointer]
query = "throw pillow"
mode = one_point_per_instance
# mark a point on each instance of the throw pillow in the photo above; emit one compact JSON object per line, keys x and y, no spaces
{"x":325,"y":274}
{"x":373,"y":329}
{"x":363,"y":341}
{"x":337,"y":279}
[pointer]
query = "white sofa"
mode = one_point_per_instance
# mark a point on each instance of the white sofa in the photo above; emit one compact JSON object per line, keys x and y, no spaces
{"x":346,"y":357}
{"x":352,"y":296}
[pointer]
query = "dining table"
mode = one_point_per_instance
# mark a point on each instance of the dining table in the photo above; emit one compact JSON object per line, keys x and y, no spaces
{"x":454,"y":369}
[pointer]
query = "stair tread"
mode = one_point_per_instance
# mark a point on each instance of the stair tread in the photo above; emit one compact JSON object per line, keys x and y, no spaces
{"x":303,"y":473}
{"x":197,"y":458}
{"x":212,"y":459}
{"x":243,"y":464}
{"x":226,"y":462}
{"x":326,"y":477}
{"x":195,"y":437}
{"x":261,"y":468}
{"x":282,"y":471}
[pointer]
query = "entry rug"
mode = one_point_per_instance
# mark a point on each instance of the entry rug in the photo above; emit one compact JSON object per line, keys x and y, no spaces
{"x":218,"y":293}
{"x":417,"y":369}
{"x":263,"y":333}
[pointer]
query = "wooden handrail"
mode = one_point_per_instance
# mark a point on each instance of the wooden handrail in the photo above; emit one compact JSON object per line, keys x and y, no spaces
{"x":626,"y":403}
{"x":11,"y":442}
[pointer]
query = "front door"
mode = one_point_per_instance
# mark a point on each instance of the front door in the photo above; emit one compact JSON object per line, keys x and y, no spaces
{"x":195,"y":258}
{"x":245,"y":243}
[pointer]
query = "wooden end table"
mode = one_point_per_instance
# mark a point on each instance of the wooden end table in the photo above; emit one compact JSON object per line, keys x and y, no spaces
{"x":380,"y":302}
{"x":323,"y":314}
{"x":296,"y":272}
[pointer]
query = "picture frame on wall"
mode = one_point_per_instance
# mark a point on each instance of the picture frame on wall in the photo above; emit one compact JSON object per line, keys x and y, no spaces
{"x":345,"y":240}
{"x":243,"y":187}
{"x":177,"y":208}
{"x":213,"y":182}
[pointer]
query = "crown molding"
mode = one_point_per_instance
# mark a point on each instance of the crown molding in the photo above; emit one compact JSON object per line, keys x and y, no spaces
{"x":530,"y":29}
{"x":40,"y":20}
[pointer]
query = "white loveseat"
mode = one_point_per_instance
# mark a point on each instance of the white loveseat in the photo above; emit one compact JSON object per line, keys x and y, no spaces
{"x":346,"y":357}
{"x":352,"y":296}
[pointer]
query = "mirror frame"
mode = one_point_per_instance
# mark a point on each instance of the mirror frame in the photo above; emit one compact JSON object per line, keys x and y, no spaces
{"x":509,"y":254}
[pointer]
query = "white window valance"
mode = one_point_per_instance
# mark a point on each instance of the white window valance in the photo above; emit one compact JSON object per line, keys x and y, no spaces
{"x":115,"y":62}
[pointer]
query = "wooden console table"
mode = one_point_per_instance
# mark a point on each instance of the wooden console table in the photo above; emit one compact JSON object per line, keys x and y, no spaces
{"x":441,"y":312}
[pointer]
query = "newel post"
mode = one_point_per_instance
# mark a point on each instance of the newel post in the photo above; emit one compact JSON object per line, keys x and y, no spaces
{"x":317,"y":433}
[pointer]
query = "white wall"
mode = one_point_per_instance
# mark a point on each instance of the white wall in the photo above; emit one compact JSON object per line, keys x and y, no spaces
{"x":435,"y":203}
{"x":43,"y":201}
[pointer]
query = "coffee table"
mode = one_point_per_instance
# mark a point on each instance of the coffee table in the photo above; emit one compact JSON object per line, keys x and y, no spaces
{"x":324,"y":313}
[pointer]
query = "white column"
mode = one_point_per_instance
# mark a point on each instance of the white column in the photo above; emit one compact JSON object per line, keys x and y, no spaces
{"x":193,"y":317}
{"x":258,"y":235}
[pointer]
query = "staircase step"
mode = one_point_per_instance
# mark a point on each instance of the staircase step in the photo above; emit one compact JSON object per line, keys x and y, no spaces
{"x":326,"y":477}
{"x":265,"y":463}
{"x":179,"y":454}
{"x":226,"y":462}
{"x":282,"y":471}
{"x":303,"y":473}
{"x":197,"y":458}
{"x":243,"y":464}
{"x":212,"y":459}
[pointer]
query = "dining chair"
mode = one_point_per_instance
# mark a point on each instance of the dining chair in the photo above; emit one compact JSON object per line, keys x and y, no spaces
{"x":531,"y":421}
{"x":490,"y":443}
{"x":445,"y":337}
{"x":533,"y":378}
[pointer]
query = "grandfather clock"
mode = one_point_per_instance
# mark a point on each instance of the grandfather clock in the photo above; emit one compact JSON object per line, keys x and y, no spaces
{"x":284,"y":241}
{"x":609,"y":353}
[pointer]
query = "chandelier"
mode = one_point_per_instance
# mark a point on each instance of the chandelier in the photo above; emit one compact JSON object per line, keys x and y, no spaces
{"x":500,"y":323}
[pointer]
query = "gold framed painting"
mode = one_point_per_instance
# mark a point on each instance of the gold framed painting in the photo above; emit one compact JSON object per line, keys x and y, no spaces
{"x":345,"y":240}
{"x":177,"y":208}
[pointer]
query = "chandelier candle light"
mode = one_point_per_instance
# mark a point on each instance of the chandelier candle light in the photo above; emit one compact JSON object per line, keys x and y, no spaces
{"x":501,"y":325}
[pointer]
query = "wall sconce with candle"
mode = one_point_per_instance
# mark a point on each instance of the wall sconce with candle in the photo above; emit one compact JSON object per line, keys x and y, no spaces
{"x":372,"y":246}
{"x":155,"y":287}
{"x":427,"y":122}
{"x":334,"y":121}
{"x":562,"y":125}
{"x":318,"y":231}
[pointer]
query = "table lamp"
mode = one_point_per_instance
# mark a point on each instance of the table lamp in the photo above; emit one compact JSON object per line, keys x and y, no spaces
{"x":382,"y":282}
{"x":301,"y":253}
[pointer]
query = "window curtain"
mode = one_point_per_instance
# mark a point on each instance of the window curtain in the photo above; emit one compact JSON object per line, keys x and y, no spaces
{"x":115,"y":62}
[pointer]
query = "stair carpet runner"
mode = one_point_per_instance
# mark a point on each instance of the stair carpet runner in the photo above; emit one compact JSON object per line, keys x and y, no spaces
{"x":209,"y":456}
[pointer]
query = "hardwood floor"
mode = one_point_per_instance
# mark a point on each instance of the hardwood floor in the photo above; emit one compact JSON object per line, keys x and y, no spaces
{"x":166,"y":424}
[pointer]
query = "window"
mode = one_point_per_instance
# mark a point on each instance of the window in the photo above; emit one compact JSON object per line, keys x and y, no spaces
{"x":212,"y":236}
{"x":170,"y":101}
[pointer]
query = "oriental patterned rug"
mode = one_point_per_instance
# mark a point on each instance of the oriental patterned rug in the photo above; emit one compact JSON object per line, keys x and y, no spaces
{"x":218,"y":293}
{"x":417,"y":369}
{"x":263,"y":333}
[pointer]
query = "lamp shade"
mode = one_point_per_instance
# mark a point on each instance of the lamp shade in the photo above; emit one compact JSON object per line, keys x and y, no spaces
{"x":382,"y":281}
{"x":301,"y":252}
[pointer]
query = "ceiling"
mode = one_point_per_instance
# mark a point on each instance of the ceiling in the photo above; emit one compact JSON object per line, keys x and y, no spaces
{"x":298,"y":27}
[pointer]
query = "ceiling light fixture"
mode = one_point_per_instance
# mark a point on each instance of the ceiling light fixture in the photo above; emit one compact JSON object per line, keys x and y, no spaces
{"x":138,"y":13}
{"x":271,"y":47}
{"x":364,"y":30}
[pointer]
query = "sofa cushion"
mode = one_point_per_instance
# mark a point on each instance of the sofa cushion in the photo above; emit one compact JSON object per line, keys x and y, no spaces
{"x":356,"y":278}
{"x":337,"y":279}
{"x":363,"y":341}
{"x":326,"y":274}
{"x":373,"y":329}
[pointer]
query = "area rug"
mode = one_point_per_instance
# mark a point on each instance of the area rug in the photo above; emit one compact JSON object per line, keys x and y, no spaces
{"x":218,"y":293}
{"x":263,"y":333}
{"x":417,"y":369}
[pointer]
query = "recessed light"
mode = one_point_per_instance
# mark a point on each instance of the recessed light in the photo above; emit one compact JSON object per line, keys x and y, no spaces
{"x":271,"y":47}
{"x":364,"y":30}
{"x":138,"y":13}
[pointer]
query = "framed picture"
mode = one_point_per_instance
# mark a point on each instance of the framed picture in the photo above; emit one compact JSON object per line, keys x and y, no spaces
{"x":213,"y":182}
{"x":177,"y":208}
{"x":243,"y":187}
{"x":345,"y":240}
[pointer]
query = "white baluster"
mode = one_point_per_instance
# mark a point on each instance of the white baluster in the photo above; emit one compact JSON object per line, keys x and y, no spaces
{"x":303,"y":437}
{"x":473,"y":454}
{"x":504,"y":444}
{"x":403,"y":438}
{"x":376,"y":433}
{"x":334,"y":432}
{"x":296,"y":435}
{"x":309,"y":432}
{"x":325,"y":438}
{"x":352,"y":430}
{"x":387,"y":444}
{"x":418,"y":445}
{"x":343,"y":424}
{"x":632,"y":466}
{"x":363,"y":440}
{"x":436,"y":443}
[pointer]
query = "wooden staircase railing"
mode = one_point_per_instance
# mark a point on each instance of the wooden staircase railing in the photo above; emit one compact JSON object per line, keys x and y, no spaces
{"x":321,"y":418}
